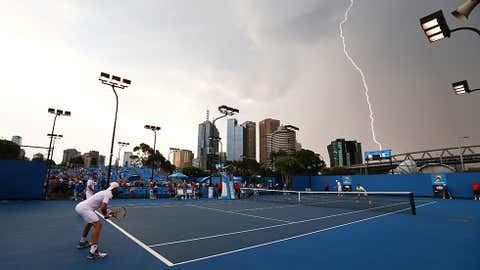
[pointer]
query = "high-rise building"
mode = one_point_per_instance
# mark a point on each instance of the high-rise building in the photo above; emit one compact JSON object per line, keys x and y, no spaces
{"x":92,"y":158}
{"x":266,"y":127}
{"x":344,"y":153}
{"x":282,"y":139}
{"x":207,"y":149}
{"x":127,"y":160}
{"x":68,"y":154}
{"x":182,"y":158}
{"x":249,"y":140}
{"x":234,"y":140}
{"x":17,"y":139}
{"x":101,"y":161}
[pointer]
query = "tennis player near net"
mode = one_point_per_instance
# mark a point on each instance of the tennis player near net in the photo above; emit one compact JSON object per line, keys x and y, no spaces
{"x":86,"y":209}
{"x":339,"y":188}
{"x":362,"y":191}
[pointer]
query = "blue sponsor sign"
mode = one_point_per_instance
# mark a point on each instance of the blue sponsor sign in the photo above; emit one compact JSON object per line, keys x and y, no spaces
{"x":439,"y":179}
{"x":347,"y":180}
{"x":381,"y":154}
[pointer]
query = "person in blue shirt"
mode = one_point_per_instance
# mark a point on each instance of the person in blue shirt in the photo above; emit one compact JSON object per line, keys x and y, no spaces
{"x":78,"y":190}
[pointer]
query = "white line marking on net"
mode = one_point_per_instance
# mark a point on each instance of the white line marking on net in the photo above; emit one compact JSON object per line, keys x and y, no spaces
{"x":241,"y":214}
{"x":297,"y":236}
{"x":138,"y":242}
{"x":271,"y":227}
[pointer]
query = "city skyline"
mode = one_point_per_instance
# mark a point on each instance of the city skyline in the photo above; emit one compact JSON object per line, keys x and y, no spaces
{"x":282,"y":61}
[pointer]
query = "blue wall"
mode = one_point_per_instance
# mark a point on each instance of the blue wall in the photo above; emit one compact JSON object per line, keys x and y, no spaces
{"x":459,"y":184}
{"x":22,"y":180}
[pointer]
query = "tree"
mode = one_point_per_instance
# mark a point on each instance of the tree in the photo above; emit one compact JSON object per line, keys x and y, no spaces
{"x":193,"y":171}
{"x":310,"y":161}
{"x":9,"y":150}
{"x":145,"y":157}
{"x":288,"y":166}
{"x":78,"y":161}
{"x":337,"y":171}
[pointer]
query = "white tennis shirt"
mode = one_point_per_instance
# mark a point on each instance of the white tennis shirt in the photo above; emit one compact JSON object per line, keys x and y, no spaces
{"x":94,"y":202}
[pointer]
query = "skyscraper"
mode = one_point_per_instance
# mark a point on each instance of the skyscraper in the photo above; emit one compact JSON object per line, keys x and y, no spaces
{"x":182,"y":158}
{"x":17,"y":139}
{"x":249,"y":140}
{"x":345,"y":153}
{"x":234,"y":140}
{"x":207,"y":149}
{"x":127,"y":160}
{"x":282,"y":139}
{"x":266,"y":127}
{"x":68,"y":154}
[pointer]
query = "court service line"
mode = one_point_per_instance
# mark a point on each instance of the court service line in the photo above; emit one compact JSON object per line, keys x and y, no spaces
{"x":237,"y":213}
{"x":138,"y":242}
{"x":296,"y":236}
{"x":270,"y":227}
{"x":264,"y":208}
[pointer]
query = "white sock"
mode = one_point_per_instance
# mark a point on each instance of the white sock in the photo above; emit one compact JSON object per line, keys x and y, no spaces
{"x":93,"y":248}
{"x":82,"y":239}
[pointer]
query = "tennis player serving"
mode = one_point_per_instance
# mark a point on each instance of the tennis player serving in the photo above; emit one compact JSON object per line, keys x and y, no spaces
{"x":362,"y":191}
{"x":86,"y":210}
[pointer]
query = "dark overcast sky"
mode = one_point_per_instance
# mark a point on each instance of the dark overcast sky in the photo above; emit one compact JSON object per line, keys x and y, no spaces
{"x":280,"y":59}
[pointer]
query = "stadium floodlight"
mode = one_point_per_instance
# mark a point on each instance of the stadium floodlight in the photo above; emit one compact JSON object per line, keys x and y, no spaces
{"x":462,"y":87}
{"x":154,"y":129}
{"x":120,"y":146}
{"x":115,"y":82}
{"x":436,"y":28}
{"x":52,"y":135}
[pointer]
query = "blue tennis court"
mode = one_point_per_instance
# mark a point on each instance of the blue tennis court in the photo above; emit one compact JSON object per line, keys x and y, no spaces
{"x":242,"y":234}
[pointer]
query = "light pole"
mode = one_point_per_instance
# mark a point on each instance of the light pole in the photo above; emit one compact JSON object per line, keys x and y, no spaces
{"x":460,"y":139}
{"x":57,"y":113}
{"x":225,"y":111}
{"x":120,"y":146}
{"x":154,"y":129}
{"x":114,"y":82}
{"x":55,"y":138}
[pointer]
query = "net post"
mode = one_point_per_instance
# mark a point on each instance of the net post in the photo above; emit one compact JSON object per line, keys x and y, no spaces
{"x":412,"y":203}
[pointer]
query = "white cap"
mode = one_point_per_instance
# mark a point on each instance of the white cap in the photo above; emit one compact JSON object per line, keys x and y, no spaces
{"x":113,"y":185}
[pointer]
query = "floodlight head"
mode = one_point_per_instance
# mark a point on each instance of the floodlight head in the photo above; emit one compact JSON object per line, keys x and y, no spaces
{"x":60,"y":136}
{"x":460,"y":87}
{"x":67,"y":113}
{"x":51,"y":110}
{"x":104,"y":77}
{"x":148,"y":127}
{"x":435,"y":26}
{"x":464,"y":10}
{"x":126,"y":83}
{"x":59,"y":112}
{"x":157,"y":128}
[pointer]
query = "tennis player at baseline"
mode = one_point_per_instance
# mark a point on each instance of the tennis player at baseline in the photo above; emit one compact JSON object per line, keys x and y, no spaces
{"x":86,"y":210}
{"x":362,"y":191}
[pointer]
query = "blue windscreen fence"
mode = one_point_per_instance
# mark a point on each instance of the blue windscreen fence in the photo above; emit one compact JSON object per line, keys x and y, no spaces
{"x":459,"y":184}
{"x":21,"y":180}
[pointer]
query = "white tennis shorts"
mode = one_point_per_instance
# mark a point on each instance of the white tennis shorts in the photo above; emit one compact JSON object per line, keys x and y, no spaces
{"x":87,"y":214}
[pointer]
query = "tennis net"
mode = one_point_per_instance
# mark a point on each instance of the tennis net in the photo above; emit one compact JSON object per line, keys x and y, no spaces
{"x":375,"y":201}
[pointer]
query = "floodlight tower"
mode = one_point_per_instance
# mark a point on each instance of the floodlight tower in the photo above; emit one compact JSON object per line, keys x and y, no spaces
{"x":57,"y":113}
{"x":225,"y":111}
{"x":154,"y":129}
{"x":120,"y":146}
{"x":114,"y":82}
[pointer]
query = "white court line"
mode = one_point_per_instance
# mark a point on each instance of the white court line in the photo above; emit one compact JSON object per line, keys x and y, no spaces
{"x":297,"y":236}
{"x":241,"y":214}
{"x":138,"y":242}
{"x":270,"y":227}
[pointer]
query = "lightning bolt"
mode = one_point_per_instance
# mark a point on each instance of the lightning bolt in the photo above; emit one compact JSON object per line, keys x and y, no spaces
{"x":372,"y":119}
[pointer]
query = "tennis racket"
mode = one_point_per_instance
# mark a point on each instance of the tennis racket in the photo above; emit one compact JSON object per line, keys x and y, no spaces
{"x":118,"y":212}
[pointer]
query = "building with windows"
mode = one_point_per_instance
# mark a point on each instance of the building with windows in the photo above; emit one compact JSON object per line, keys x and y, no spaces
{"x":68,"y":154}
{"x":38,"y":156}
{"x":234,"y":140}
{"x":127,"y":160}
{"x":92,"y":158}
{"x":283,"y":139}
{"x":207,"y":150}
{"x":249,"y":140}
{"x":182,"y":158}
{"x":345,"y":153}
{"x":266,"y":127}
